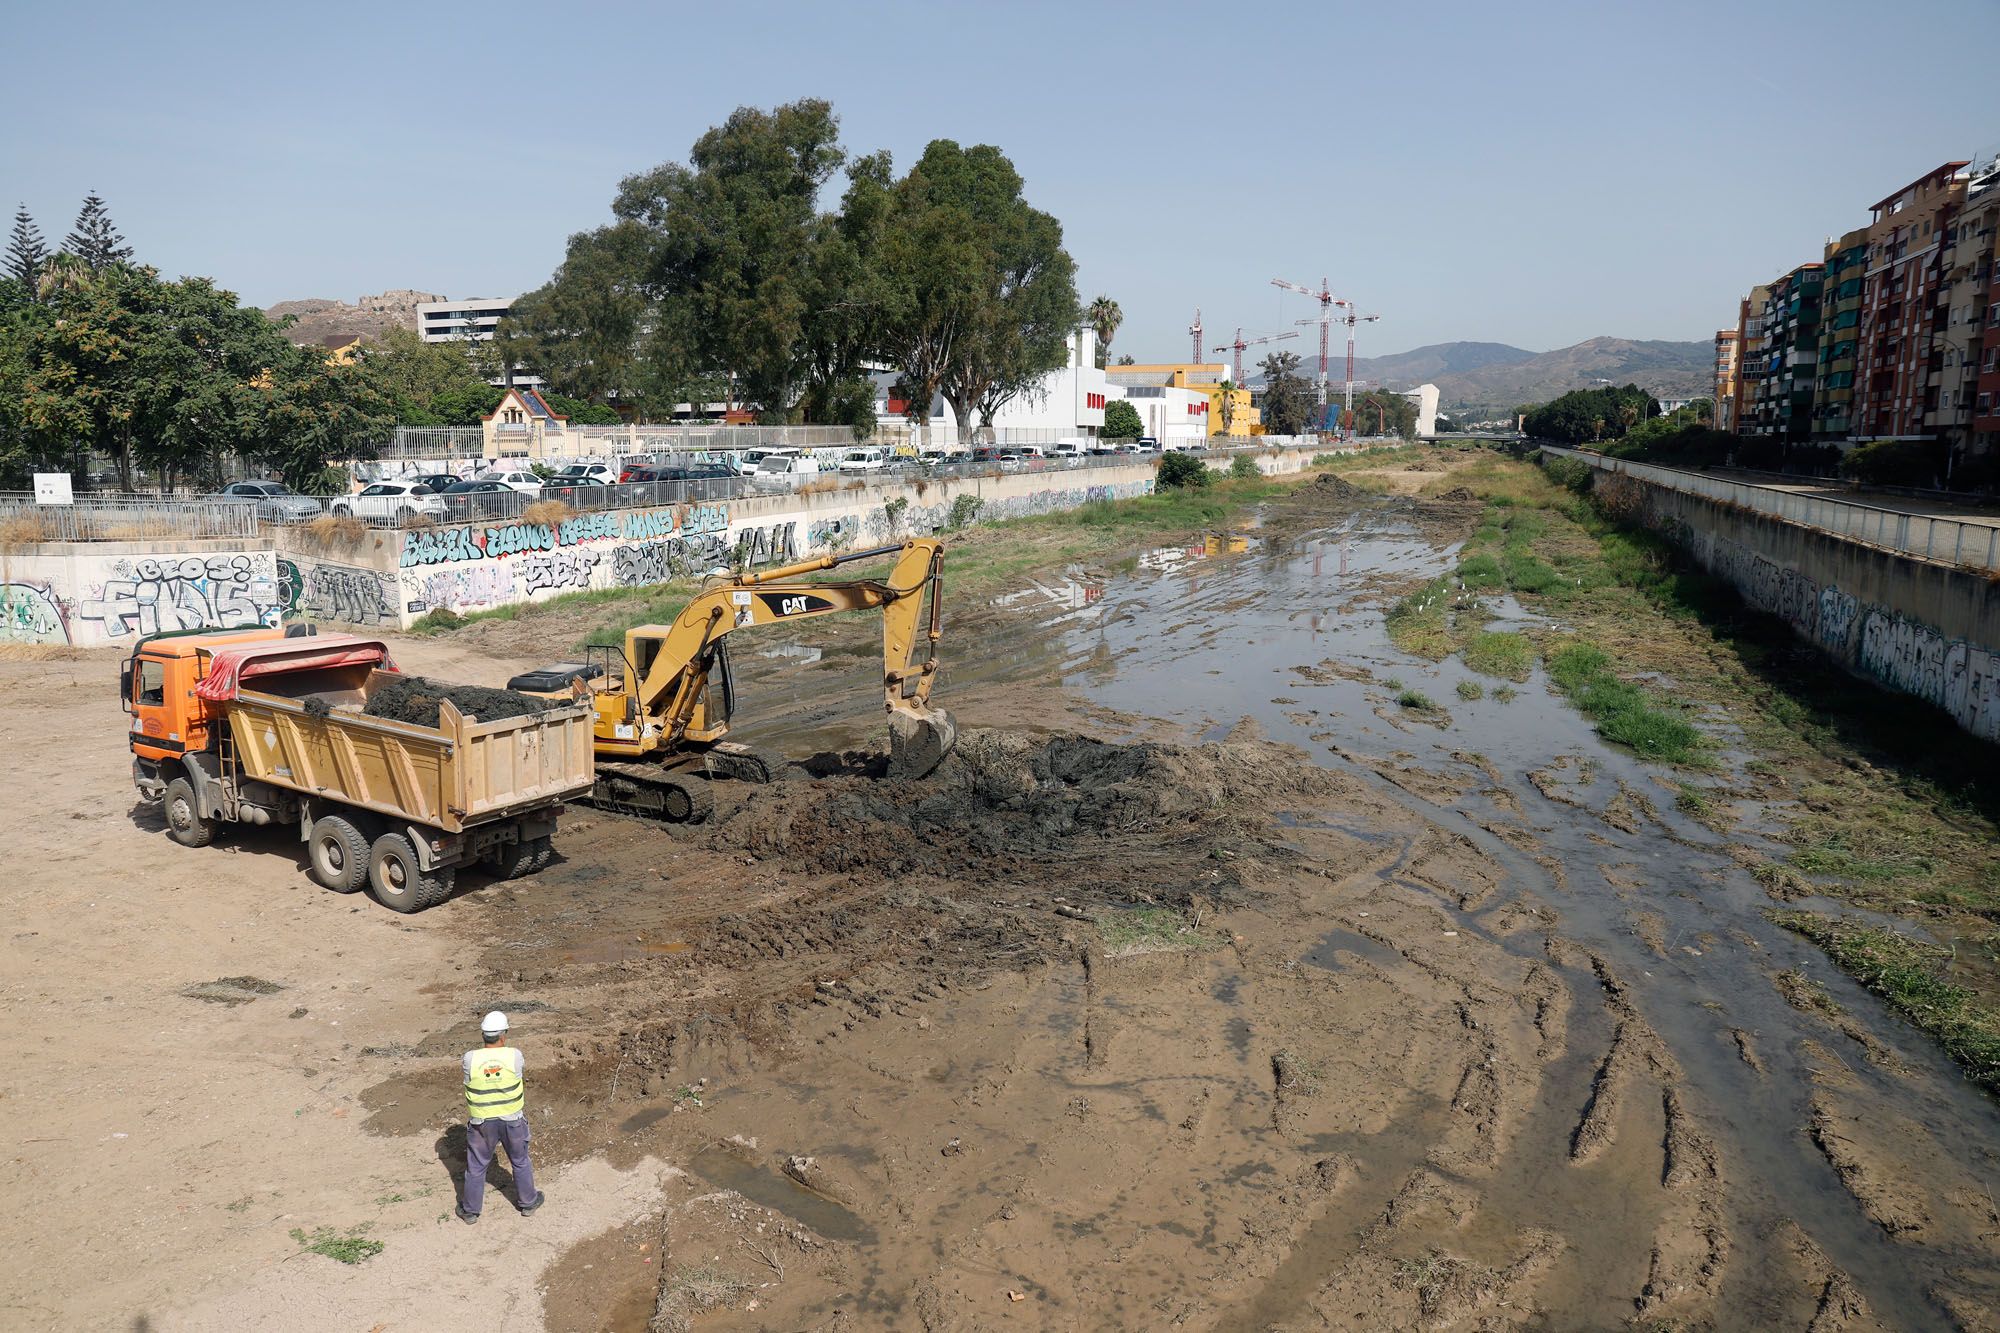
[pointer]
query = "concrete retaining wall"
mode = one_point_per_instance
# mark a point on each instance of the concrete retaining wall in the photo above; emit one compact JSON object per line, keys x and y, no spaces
{"x":1919,"y":626}
{"x":92,"y":593}
{"x":100,"y":592}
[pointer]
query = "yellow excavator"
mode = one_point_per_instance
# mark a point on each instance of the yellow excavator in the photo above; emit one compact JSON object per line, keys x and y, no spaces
{"x":663,"y":698}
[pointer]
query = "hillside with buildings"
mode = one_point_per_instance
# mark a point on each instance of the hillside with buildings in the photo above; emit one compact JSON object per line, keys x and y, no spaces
{"x":321,"y":321}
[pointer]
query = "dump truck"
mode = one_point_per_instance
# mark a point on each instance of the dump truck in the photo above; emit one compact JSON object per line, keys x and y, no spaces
{"x":253,"y":726}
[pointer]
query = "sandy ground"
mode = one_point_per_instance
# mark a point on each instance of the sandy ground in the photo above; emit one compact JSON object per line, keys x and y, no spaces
{"x":1203,"y":989}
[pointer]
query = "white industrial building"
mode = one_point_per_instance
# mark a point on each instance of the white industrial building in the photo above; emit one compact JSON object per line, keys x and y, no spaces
{"x":1067,"y":402}
{"x":1425,"y":399}
{"x":1169,"y":413}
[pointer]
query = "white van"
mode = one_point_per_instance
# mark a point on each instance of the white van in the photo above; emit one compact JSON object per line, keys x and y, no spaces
{"x":1070,"y":448}
{"x":784,"y":472}
{"x":752,"y":461}
{"x":864,"y":460}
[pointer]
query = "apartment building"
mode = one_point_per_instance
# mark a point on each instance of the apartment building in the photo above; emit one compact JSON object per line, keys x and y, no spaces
{"x":1902,"y":312}
{"x":1839,"y":337}
{"x":1967,"y":359}
{"x":1726,"y":345}
{"x":472,"y":319}
{"x":1781,"y":401}
{"x":1749,"y":356}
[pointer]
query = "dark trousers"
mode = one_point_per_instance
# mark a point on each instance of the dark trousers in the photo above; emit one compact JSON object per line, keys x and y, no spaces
{"x":481,"y":1138}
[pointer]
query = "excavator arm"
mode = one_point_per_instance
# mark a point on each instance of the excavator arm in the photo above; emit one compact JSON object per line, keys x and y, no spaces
{"x":659,"y":730}
{"x":672,"y":662}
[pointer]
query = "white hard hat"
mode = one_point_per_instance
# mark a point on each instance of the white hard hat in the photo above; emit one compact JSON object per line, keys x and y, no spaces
{"x":493,"y":1022}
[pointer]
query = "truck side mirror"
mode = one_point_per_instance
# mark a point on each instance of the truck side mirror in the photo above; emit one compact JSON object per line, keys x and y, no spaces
{"x":125,"y":686}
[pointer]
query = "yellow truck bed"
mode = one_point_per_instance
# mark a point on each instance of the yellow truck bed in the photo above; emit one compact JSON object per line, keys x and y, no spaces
{"x":462,"y":773}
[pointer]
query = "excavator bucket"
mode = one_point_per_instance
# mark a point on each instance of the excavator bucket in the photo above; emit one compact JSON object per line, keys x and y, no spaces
{"x":919,"y":740}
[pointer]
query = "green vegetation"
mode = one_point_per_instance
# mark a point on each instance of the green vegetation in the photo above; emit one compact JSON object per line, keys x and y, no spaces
{"x":1506,"y":694}
{"x":1148,"y":930}
{"x":964,"y":512}
{"x":1623,"y":712}
{"x":1469,"y":690}
{"x":1121,"y":421}
{"x":1912,"y":976}
{"x":1499,"y":653}
{"x":1417,"y":701}
{"x":1181,"y":471}
{"x":351,"y":1248}
{"x":1589,"y":415}
{"x":1244,"y":468}
{"x":1288,"y":399}
{"x":1895,"y":463}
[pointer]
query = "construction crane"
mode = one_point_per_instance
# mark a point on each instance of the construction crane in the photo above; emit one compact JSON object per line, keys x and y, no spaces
{"x":1326,"y":319}
{"x":1195,"y":329}
{"x":1242,"y":342}
{"x":1324,"y":295}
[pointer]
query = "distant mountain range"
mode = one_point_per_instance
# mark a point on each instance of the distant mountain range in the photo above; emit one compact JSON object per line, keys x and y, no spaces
{"x":1488,"y":379}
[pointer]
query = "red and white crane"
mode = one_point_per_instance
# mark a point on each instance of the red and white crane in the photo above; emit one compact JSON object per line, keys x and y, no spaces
{"x":1242,"y":342}
{"x":1326,"y":319}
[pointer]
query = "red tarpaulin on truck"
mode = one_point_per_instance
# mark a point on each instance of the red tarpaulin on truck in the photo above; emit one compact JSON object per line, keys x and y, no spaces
{"x":229,"y":668}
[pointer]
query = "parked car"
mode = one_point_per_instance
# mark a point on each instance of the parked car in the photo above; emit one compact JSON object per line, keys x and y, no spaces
{"x":1106,"y":450}
{"x":275,"y":501}
{"x":1067,"y":449}
{"x":703,"y":481}
{"x":400,"y":501}
{"x":576,"y":472}
{"x":937,"y":457}
{"x":517,"y":479}
{"x":785,"y":473}
{"x":1146,"y":444}
{"x":863,"y":460}
{"x":985,"y":454}
{"x":437,"y":481}
{"x":754,"y":461}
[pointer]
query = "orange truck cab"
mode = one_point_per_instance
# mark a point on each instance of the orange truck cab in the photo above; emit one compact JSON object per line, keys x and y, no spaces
{"x":257,"y":726}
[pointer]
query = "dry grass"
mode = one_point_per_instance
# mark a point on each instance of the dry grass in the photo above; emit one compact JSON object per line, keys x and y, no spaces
{"x":548,"y":513}
{"x":688,"y":1292}
{"x":22,"y":529}
{"x":337,"y":530}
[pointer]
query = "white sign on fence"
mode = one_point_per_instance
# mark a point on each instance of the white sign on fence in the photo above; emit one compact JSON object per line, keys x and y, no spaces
{"x":52,"y":488}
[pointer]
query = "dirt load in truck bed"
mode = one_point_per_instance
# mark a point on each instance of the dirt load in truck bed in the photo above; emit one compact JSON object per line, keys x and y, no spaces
{"x":415,"y":699}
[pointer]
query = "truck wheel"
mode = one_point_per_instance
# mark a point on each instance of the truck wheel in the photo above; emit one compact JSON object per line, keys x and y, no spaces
{"x":185,"y":824}
{"x":399,"y":880}
{"x":513,"y":860}
{"x":545,"y":853}
{"x":339,"y":854}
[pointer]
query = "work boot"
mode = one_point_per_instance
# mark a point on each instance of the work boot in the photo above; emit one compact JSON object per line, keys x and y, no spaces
{"x":535,"y":1203}
{"x":465,"y":1217}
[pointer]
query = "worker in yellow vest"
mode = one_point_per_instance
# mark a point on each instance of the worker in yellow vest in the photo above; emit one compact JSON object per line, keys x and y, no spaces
{"x":496,"y":1116}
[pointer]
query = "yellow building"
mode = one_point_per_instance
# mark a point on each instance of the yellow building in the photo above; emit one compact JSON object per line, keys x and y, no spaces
{"x":1235,"y":418}
{"x":340,"y":349}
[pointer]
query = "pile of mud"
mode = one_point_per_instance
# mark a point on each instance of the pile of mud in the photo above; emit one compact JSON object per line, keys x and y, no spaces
{"x":415,"y":699}
{"x":1008,"y":805}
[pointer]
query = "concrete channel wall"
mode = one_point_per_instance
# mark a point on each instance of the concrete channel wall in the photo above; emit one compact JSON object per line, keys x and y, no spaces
{"x":1924,"y":626}
{"x":89,"y":593}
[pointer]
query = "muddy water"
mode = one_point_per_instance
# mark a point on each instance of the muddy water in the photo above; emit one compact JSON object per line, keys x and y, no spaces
{"x":1204,"y":638}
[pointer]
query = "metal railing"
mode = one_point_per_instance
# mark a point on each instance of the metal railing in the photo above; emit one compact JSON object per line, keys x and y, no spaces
{"x":110,"y":518}
{"x":1971,"y":544}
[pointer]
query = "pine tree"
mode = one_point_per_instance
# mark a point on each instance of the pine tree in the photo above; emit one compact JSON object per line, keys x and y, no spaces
{"x":26,"y":252}
{"x":94,"y":240}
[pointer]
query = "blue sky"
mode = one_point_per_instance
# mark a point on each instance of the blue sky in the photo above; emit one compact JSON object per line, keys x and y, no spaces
{"x":1531,"y":173}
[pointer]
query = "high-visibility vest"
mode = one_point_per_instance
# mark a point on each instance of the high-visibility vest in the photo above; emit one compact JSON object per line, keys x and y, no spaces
{"x":493,"y":1090}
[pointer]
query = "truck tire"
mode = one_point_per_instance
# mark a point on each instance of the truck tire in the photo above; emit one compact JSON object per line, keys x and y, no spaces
{"x":513,"y":860}
{"x":398,"y":879}
{"x":185,"y":824}
{"x":545,"y":853}
{"x":338,"y":853}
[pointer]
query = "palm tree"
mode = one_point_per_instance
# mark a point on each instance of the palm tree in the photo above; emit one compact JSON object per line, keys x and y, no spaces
{"x":1104,"y":317}
{"x":1628,"y":413}
{"x":64,"y":272}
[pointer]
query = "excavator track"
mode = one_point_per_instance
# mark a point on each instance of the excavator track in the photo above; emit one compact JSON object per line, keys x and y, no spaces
{"x":649,"y":791}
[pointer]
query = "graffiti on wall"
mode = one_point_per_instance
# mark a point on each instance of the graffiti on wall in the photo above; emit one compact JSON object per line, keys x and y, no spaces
{"x":463,"y":588}
{"x":641,"y":563}
{"x":498,"y":541}
{"x":1905,"y":655}
{"x":346,"y":594}
{"x":172,"y":592}
{"x":30,"y":613}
